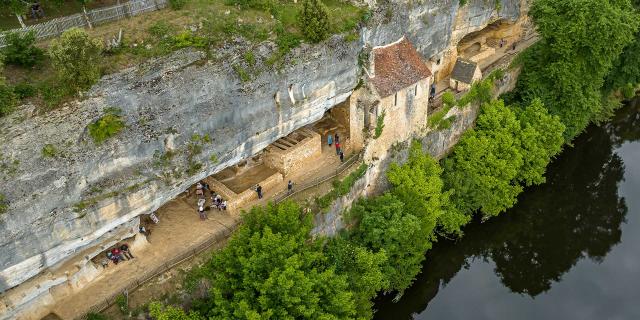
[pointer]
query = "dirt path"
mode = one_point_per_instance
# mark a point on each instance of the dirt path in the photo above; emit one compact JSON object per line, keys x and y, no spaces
{"x":179,"y":230}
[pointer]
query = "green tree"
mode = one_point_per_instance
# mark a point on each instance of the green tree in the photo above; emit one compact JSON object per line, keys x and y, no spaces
{"x":541,"y":139}
{"x":626,"y":69}
{"x":418,"y":184}
{"x":581,"y":39}
{"x":76,"y":57}
{"x":20,"y":49}
{"x":272,"y":269}
{"x":363,"y":269}
{"x":485,"y":163}
{"x":314,"y":20}
{"x":384,"y":225}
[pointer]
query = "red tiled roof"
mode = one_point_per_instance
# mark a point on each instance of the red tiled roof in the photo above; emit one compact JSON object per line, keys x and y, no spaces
{"x":397,"y":66}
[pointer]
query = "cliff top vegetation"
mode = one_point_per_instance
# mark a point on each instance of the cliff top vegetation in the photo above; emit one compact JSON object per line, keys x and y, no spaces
{"x":33,"y":70}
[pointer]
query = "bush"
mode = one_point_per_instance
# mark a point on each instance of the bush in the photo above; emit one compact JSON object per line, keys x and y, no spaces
{"x":49,"y":151}
{"x":314,"y":20}
{"x":177,"y":4}
{"x":8,"y":99}
{"x":24,"y":90}
{"x":449,"y":99}
{"x":76,"y":57}
{"x":20,"y":49}
{"x":379,"y":126}
{"x":187,"y":39}
{"x":96,"y":316}
{"x":3,"y":204}
{"x":121,"y":302}
{"x":107,"y":126}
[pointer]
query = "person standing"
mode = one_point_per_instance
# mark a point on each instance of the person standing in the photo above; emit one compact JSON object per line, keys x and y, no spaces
{"x":290,"y":187}
{"x":337,"y":148}
{"x":341,"y":156}
{"x":337,"y":138}
{"x":203,"y":215}
{"x":330,"y":140}
{"x":259,"y":191}
{"x":125,"y":250}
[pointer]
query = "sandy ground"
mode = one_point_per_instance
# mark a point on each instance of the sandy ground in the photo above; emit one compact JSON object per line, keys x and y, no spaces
{"x":180,"y":229}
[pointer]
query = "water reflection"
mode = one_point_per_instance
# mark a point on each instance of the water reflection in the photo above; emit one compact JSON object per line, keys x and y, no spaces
{"x":577,"y":214}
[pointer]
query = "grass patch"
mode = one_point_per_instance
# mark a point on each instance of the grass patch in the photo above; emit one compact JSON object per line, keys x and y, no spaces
{"x":109,"y":125}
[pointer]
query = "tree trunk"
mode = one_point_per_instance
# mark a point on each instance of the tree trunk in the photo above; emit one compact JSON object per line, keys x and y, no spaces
{"x":86,"y":17}
{"x":21,"y":22}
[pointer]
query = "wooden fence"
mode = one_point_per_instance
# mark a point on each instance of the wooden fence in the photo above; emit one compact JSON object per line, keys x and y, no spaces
{"x":55,"y":27}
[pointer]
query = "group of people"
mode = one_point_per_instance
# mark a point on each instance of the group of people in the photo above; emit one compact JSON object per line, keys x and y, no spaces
{"x":330,"y":141}
{"x":216,"y":200}
{"x":503,"y":42}
{"x":117,"y":254}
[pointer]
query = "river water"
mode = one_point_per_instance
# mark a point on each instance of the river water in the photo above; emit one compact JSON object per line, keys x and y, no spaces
{"x":570,"y":248}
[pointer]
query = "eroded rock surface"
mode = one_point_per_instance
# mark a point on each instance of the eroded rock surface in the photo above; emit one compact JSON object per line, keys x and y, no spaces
{"x":59,"y":206}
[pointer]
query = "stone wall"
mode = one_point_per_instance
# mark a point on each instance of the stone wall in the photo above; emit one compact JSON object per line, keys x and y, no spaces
{"x":291,"y":159}
{"x":60,"y":206}
{"x":436,"y":143}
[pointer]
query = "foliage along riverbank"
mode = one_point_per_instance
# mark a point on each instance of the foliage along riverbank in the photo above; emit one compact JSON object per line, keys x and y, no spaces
{"x":273,"y":269}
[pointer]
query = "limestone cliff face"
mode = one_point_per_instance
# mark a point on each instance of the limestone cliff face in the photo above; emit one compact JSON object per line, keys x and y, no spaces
{"x":62,"y":205}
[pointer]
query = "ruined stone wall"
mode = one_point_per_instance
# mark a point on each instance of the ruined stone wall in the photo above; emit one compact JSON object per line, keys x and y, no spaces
{"x":292,"y":159}
{"x":60,"y":206}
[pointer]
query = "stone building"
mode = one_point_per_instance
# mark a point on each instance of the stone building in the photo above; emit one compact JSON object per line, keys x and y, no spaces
{"x":464,"y":74}
{"x":399,"y":82}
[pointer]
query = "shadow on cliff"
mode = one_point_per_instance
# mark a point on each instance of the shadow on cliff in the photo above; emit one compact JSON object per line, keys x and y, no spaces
{"x":577,"y":214}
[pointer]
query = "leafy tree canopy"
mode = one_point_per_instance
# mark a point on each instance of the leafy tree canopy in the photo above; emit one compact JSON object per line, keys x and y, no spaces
{"x":581,"y":41}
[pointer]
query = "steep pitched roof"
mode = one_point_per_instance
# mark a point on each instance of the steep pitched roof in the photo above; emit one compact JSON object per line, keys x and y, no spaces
{"x":463,"y":70}
{"x":397,"y":66}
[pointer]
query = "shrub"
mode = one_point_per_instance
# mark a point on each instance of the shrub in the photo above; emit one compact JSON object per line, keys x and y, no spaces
{"x":177,"y":4}
{"x":24,"y":90}
{"x":3,"y":204}
{"x":96,"y":316}
{"x":76,"y":57}
{"x":449,"y":99}
{"x":242,"y":73}
{"x":121,"y":302}
{"x":107,"y":126}
{"x":20,"y":49}
{"x":314,"y":20}
{"x":49,"y":151}
{"x":8,"y":99}
{"x":187,"y":39}
{"x":379,"y":126}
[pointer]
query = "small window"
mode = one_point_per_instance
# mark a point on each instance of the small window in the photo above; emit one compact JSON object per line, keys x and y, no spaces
{"x":438,"y":62}
{"x":415,"y":91}
{"x":395,"y":99}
